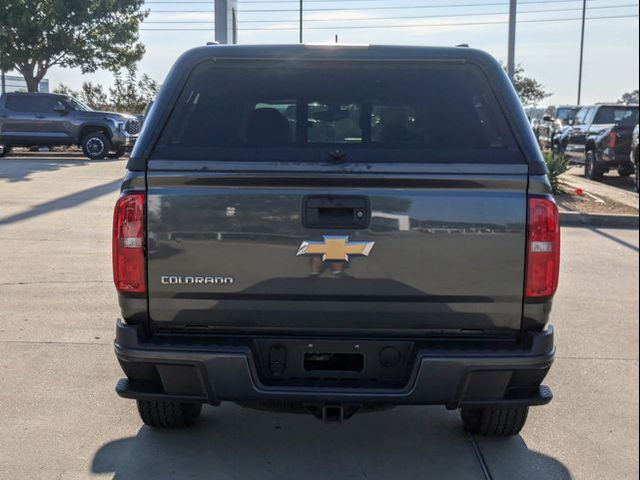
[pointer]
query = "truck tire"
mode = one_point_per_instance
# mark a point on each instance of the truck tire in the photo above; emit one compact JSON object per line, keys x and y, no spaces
{"x":166,"y":414}
{"x":117,"y":153}
{"x":592,"y":170}
{"x":494,"y":421}
{"x":625,"y":171}
{"x":96,"y":145}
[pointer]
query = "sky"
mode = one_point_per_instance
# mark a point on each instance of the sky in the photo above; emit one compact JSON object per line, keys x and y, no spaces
{"x":548,"y":51}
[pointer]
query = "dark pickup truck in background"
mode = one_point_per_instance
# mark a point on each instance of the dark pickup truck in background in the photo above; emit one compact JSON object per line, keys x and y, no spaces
{"x":600,"y":138}
{"x":47,"y":119}
{"x":554,"y":122}
{"x":635,"y":155}
{"x":299,"y":231}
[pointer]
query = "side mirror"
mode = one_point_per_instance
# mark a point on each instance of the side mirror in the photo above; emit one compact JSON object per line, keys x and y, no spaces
{"x":547,"y":118}
{"x":59,"y":108}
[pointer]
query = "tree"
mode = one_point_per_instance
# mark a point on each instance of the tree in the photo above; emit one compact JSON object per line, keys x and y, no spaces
{"x":128,"y":94}
{"x":88,"y":34}
{"x":630,"y":97}
{"x":531,"y":91}
{"x":92,"y":94}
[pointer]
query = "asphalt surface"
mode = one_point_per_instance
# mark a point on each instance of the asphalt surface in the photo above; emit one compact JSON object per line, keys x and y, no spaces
{"x":60,"y":418}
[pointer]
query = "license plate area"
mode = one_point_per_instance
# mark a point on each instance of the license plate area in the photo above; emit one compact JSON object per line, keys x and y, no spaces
{"x":323,"y":362}
{"x":333,"y":362}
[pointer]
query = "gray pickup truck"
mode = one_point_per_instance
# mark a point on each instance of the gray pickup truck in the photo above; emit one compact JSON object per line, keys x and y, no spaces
{"x":50,"y":119}
{"x":334,"y":229}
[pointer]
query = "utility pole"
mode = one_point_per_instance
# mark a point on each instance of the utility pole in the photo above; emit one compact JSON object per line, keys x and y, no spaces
{"x":584,"y":17}
{"x":301,"y":15}
{"x":225,"y":21}
{"x":511,"y":65}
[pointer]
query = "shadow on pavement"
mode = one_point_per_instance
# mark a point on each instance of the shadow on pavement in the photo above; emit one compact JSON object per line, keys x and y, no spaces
{"x":628,"y":245}
{"x":20,"y":168}
{"x":62,"y":203}
{"x":236,"y":443}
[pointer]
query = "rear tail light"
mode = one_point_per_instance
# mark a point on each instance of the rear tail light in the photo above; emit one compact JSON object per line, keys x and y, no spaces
{"x":543,"y":249}
{"x":613,"y":139}
{"x":128,"y":244}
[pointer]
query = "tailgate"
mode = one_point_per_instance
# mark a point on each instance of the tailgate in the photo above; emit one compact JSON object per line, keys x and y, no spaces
{"x":446,"y":252}
{"x":333,"y":196}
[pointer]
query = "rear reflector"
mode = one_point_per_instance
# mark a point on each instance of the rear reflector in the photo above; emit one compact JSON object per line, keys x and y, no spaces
{"x":613,"y":139}
{"x":128,"y":244}
{"x":543,"y":249}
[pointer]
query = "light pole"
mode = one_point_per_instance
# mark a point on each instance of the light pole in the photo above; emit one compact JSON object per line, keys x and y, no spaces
{"x":511,"y":66}
{"x":301,"y":12}
{"x":584,"y":17}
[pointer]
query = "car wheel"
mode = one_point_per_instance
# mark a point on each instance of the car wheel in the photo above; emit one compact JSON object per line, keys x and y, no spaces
{"x":494,"y":421}
{"x":4,"y":150}
{"x":166,"y":414}
{"x":96,"y":146}
{"x":592,"y":170}
{"x":117,"y":153}
{"x":625,"y":171}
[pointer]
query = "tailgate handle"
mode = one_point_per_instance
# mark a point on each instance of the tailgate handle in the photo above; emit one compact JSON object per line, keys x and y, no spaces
{"x":335,"y":211}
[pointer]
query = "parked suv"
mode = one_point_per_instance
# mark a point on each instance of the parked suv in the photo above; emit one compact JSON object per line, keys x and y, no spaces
{"x":304,"y":228}
{"x":47,"y":119}
{"x":600,"y":138}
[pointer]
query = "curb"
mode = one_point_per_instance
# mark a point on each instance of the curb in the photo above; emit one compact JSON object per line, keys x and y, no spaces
{"x":576,"y":219}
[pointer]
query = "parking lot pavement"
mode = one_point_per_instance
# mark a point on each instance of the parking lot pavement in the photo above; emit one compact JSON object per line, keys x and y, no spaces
{"x":61,"y":418}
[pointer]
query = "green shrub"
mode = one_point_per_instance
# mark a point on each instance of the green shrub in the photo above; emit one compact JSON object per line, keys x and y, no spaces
{"x":557,"y":165}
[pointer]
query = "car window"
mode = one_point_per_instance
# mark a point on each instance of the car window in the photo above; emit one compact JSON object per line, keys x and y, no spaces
{"x":247,"y":107}
{"x":76,"y":104}
{"x":581,"y":116}
{"x":30,"y":103}
{"x":566,"y":114}
{"x":620,"y":115}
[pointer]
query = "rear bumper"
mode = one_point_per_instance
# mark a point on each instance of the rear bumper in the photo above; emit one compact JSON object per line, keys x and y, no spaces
{"x":611,"y":158}
{"x":458,"y":376}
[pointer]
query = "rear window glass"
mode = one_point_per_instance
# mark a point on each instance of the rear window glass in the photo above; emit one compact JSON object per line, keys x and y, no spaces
{"x":621,"y":115}
{"x":362,"y":112}
{"x":566,"y":113}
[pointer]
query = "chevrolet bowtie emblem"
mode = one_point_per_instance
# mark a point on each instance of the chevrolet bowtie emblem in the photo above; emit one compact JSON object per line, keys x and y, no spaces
{"x":335,"y":247}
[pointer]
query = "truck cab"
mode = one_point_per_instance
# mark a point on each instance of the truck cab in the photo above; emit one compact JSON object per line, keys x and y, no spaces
{"x":334,"y":229}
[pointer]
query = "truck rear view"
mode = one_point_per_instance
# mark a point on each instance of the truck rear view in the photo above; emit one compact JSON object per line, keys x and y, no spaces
{"x":335,"y":229}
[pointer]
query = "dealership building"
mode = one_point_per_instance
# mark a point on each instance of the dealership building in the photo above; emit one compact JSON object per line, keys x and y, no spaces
{"x":14,"y":83}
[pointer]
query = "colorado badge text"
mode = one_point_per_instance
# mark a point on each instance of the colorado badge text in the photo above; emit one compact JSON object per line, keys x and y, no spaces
{"x":195,"y":280}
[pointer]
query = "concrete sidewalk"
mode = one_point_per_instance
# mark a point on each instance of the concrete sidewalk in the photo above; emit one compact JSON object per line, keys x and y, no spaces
{"x":613,"y":187}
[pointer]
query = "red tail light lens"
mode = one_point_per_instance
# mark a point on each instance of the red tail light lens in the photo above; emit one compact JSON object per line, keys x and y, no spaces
{"x":543,"y":249}
{"x":128,"y":244}
{"x":613,"y":139}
